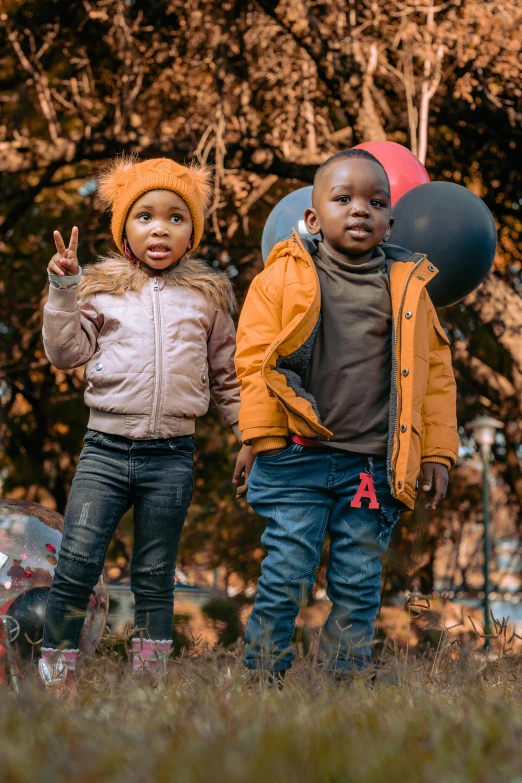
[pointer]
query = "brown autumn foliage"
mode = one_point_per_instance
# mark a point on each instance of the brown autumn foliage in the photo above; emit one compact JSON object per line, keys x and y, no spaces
{"x":263,"y":91}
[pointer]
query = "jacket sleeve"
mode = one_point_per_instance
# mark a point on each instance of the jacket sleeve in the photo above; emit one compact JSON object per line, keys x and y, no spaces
{"x":70,"y":330}
{"x":222,"y":375}
{"x":440,"y":439}
{"x":262,"y":419}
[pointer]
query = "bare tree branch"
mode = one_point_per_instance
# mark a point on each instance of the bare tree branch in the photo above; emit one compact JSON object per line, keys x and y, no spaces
{"x":41,"y":82}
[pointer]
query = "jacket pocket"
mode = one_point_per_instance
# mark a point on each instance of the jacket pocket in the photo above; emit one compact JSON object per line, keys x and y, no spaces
{"x":416,"y":421}
{"x":444,"y":354}
{"x":292,"y":448}
{"x":420,"y":380}
{"x":103,"y":368}
{"x":441,"y":333}
{"x":414,"y":457}
{"x":445,"y":360}
{"x":95,"y":369}
{"x":203,"y":375}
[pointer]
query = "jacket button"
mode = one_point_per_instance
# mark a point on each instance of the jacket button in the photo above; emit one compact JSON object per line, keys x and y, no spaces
{"x":204,"y":378}
{"x":404,"y":427}
{"x":405,"y":372}
{"x":399,"y":484}
{"x":431,"y":268}
{"x":408,"y":315}
{"x":420,"y":277}
{"x":98,"y":366}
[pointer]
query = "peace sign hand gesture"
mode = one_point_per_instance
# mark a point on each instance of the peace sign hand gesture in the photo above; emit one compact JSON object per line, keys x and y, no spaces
{"x":65,"y":261}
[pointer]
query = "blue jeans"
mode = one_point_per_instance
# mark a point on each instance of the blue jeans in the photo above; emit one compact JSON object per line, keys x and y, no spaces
{"x":114,"y":472}
{"x":303,"y":493}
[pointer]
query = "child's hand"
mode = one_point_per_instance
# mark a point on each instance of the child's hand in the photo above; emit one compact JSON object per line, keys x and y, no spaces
{"x":65,"y":261}
{"x":433,"y":473}
{"x":244,"y":462}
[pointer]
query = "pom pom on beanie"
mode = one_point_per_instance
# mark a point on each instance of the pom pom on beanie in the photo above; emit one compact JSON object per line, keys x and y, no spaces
{"x":126,"y":179}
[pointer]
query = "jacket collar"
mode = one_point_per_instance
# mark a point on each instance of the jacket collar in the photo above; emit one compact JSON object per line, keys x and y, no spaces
{"x":115,"y":276}
{"x":393,"y":252}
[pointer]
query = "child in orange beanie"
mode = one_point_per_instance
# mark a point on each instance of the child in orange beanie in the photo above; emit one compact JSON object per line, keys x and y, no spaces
{"x":153,"y":325}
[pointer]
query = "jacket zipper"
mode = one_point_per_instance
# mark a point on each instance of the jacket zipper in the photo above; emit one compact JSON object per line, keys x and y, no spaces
{"x":395,"y":388}
{"x":285,"y":405}
{"x":294,"y":412}
{"x":158,"y":374}
{"x":283,"y":402}
{"x":267,"y":357}
{"x":305,"y":315}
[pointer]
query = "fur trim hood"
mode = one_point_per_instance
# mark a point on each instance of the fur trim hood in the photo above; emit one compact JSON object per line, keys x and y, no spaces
{"x":114,"y":275}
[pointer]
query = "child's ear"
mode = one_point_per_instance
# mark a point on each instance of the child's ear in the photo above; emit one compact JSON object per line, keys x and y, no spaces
{"x":311,"y":220}
{"x":389,"y":230}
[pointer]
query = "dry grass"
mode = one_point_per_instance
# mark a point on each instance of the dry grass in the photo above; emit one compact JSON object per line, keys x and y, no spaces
{"x":452,"y":716}
{"x":461,"y":724}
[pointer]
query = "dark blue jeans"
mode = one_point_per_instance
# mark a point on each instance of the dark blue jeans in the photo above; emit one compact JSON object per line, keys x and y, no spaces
{"x":157,"y":476}
{"x":304,"y":493}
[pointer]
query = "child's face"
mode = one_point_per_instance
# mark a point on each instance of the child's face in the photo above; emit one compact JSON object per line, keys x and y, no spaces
{"x":351,"y":208}
{"x":159,"y":228}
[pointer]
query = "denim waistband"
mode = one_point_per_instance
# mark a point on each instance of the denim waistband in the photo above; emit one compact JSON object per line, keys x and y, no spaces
{"x":144,"y":443}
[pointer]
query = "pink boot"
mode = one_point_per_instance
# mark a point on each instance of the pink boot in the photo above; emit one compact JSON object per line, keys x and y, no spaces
{"x":150,"y":659}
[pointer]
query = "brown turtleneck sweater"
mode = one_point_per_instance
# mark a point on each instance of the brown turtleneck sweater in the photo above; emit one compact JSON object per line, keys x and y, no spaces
{"x":350,"y":370}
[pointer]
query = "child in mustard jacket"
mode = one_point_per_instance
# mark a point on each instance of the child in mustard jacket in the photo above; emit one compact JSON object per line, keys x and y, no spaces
{"x":347,"y":390}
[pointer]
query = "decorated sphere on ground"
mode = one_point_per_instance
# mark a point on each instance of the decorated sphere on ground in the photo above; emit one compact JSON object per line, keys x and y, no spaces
{"x":30,"y":540}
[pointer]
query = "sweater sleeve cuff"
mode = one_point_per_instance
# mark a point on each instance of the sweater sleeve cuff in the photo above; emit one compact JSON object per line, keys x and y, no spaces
{"x":65,"y":281}
{"x":62,"y":299}
{"x":441,"y":461}
{"x":265,"y":444}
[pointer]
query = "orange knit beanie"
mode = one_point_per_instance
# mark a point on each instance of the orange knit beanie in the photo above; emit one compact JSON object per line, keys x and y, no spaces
{"x":126,"y":179}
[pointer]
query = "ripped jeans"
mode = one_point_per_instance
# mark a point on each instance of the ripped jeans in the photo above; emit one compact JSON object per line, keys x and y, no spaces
{"x":114,"y":473}
{"x":303,"y":493}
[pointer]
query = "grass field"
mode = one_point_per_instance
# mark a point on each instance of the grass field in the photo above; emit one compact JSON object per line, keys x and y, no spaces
{"x":452,"y":717}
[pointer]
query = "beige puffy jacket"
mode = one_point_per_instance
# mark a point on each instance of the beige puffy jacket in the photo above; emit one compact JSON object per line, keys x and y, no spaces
{"x":155,"y":348}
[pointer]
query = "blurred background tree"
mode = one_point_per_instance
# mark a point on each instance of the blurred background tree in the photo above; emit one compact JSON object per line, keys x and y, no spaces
{"x":263,"y":91}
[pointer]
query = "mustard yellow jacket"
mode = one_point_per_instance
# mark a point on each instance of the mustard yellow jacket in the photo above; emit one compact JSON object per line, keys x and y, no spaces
{"x":277,"y":326}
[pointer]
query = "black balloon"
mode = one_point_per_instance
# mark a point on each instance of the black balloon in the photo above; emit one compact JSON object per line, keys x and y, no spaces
{"x":29,"y":611}
{"x":457,"y":232}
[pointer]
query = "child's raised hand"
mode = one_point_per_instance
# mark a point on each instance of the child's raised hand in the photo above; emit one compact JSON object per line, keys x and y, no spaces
{"x":433,"y":473}
{"x":65,"y":261}
{"x":244,"y":462}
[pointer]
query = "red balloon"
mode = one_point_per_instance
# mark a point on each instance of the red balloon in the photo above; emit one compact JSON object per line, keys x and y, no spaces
{"x":404,"y":170}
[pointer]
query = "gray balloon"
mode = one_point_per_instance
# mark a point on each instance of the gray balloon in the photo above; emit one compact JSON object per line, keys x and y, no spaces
{"x":287,"y":214}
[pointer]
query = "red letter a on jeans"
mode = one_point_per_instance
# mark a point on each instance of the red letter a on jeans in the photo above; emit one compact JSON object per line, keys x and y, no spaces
{"x":366,"y":490}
